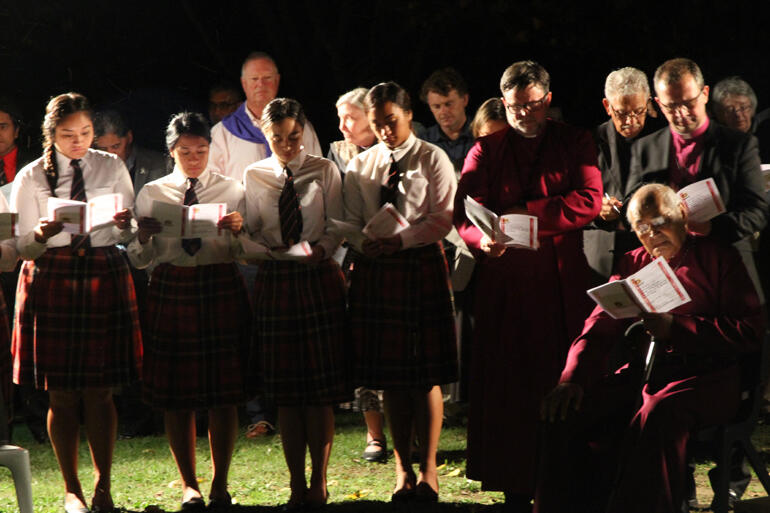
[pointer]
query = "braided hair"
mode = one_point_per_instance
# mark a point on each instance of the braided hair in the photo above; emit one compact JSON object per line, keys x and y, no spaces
{"x":58,"y":108}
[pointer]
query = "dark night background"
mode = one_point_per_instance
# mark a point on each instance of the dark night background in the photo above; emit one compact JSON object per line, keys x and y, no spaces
{"x":152,"y":59}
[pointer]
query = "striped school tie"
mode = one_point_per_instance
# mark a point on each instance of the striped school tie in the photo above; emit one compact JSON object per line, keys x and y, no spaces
{"x":78,"y":243}
{"x":3,"y":179}
{"x":191,"y":246}
{"x":289,"y":211}
{"x":389,"y":191}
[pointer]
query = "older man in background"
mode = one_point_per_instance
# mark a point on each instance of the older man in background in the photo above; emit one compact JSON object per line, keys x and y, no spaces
{"x":626,"y":96}
{"x":237,"y":140}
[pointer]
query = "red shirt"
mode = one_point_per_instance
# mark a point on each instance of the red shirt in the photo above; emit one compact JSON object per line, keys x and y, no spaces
{"x":9,"y":161}
{"x":687,"y":155}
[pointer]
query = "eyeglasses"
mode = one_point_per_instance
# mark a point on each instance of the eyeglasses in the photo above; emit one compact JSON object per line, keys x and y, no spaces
{"x":658,"y":223}
{"x":634,"y":114}
{"x":533,"y":106}
{"x":736,"y":109}
{"x":686,"y":104}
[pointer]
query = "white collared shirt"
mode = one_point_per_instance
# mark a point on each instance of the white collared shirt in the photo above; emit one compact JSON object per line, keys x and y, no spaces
{"x":318,"y":185}
{"x":210,"y":188}
{"x":103,"y":173}
{"x":8,"y":253}
{"x":230,"y":155}
{"x":426,"y":189}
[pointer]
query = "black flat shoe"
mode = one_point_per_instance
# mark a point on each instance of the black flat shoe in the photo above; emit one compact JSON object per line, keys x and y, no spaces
{"x":220,"y":504}
{"x":425,"y":493}
{"x":194,"y":504}
{"x":403,"y":495}
{"x":376,"y":451}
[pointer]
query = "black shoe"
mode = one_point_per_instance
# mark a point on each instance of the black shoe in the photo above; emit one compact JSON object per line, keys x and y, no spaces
{"x":220,"y":504}
{"x":194,"y":504}
{"x":376,"y":451}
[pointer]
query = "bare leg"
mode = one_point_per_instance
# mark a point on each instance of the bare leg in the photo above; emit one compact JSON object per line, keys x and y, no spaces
{"x":429,"y":413}
{"x":294,"y":438}
{"x":319,"y":425}
{"x":180,"y":429}
{"x":223,"y":430}
{"x":398,"y":408}
{"x":101,"y":421}
{"x":374,"y":425}
{"x":63,"y":430}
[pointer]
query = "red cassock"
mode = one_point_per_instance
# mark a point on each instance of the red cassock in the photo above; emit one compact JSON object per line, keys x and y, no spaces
{"x":696,"y":382}
{"x":529,"y":304}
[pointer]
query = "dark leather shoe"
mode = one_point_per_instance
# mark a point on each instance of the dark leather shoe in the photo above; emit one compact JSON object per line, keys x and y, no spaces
{"x":194,"y":504}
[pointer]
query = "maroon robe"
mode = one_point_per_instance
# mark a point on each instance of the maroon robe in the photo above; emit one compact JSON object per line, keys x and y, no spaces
{"x":529,"y":304}
{"x":698,"y":384}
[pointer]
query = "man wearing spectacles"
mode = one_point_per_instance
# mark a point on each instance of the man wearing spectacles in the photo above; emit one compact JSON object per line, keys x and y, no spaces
{"x":735,"y":105}
{"x":694,"y":148}
{"x":626,"y":99}
{"x":528,"y":304}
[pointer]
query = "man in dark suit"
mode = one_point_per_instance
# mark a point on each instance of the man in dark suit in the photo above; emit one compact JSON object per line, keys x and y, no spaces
{"x":626,"y":100}
{"x":693,"y":148}
{"x":113,"y":135}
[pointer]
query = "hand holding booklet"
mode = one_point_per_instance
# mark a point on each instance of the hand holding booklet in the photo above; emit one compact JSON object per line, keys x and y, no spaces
{"x":8,"y":225}
{"x":80,"y":217}
{"x":653,"y":289}
{"x":388,"y":222}
{"x":189,"y":222}
{"x":702,"y":200}
{"x":511,"y":230}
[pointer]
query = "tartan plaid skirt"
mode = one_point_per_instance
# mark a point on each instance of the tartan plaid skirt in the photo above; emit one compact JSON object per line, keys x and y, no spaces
{"x":299,"y":312}
{"x":77,"y":324}
{"x":402,"y":320}
{"x":5,"y":355}
{"x":198,"y":337}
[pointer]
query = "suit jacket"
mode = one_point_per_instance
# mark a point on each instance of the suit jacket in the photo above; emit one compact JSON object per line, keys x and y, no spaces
{"x":148,"y":166}
{"x":730,"y":157}
{"x":602,"y":244}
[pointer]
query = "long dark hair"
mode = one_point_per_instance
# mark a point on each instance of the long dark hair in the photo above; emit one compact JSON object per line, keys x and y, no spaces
{"x":186,"y":123}
{"x":58,"y":108}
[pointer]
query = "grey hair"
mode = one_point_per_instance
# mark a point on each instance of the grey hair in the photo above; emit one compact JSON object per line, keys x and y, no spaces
{"x":654,"y":195}
{"x":110,"y":122}
{"x":674,"y":70}
{"x":354,"y":98}
{"x":256,"y":56}
{"x":733,"y":86}
{"x":626,"y":81}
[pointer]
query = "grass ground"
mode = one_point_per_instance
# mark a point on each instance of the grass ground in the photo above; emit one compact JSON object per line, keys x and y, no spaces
{"x":145,"y":478}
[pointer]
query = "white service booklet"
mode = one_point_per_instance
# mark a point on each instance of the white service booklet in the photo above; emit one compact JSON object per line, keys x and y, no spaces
{"x":8,"y":225}
{"x":654,"y":289}
{"x":189,"y":222}
{"x":702,"y":200}
{"x":387,"y":222}
{"x":80,"y":218}
{"x":512,"y":230}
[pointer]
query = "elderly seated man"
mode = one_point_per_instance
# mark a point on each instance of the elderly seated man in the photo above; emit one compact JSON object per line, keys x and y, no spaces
{"x":625,"y":453}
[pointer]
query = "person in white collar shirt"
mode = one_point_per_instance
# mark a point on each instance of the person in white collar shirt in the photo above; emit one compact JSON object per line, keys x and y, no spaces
{"x":198,"y":334}
{"x":299,"y":302}
{"x":401,"y":314}
{"x":76,"y":331}
{"x":238,"y":141}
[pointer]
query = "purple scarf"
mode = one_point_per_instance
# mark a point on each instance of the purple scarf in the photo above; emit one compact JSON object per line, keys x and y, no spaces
{"x":239,"y":124}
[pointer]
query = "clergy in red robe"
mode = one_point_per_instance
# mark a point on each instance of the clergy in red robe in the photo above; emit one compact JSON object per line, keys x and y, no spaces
{"x":529,"y":304}
{"x":703,"y":348}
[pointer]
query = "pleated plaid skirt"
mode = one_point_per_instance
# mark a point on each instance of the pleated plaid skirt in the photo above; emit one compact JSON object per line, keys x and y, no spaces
{"x":5,"y":354}
{"x":77,"y":324}
{"x":402,"y":320}
{"x":300,"y":316}
{"x":198,"y":337}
